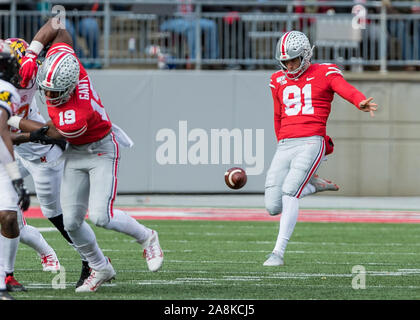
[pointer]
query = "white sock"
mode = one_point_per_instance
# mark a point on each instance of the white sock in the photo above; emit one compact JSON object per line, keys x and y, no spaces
{"x":122,"y":222}
{"x":32,"y":237}
{"x":2,"y":279}
{"x":8,"y":250}
{"x":287,"y":223}
{"x":82,"y":257}
{"x":84,"y":240}
{"x":308,"y":189}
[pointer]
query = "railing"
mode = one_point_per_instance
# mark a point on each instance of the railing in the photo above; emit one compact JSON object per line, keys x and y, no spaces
{"x":153,"y":32}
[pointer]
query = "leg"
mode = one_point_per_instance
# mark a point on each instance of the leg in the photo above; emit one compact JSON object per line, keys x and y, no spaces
{"x":74,"y":201}
{"x":103,"y":179}
{"x":274,"y":180}
{"x":9,"y":236}
{"x":306,"y":160}
{"x":47,"y":181}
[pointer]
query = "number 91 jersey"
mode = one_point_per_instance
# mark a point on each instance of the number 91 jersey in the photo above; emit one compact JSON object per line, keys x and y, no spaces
{"x":302,"y":106}
{"x":82,"y":119}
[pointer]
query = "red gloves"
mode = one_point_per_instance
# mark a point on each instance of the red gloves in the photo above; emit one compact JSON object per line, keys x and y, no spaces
{"x":28,"y":68}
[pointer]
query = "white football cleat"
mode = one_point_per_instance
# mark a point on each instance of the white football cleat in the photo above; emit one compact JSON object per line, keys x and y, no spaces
{"x":153,"y":252}
{"x":322,"y":184}
{"x":273,"y":260}
{"x":97,"y":278}
{"x":50,"y":262}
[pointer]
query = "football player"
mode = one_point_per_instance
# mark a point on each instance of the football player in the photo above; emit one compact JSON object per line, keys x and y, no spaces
{"x":12,"y":190}
{"x":302,"y":93}
{"x":92,"y":155}
{"x":45,"y":165}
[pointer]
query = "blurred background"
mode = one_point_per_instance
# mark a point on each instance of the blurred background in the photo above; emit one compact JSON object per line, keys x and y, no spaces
{"x":175,"y":73}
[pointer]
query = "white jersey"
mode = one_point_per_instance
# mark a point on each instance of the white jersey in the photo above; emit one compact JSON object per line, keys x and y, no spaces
{"x":28,"y":109}
{"x":9,"y":98}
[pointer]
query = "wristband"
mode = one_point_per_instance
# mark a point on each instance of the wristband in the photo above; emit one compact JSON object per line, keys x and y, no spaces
{"x":36,"y":47}
{"x":14,"y":121}
{"x":13,"y":170}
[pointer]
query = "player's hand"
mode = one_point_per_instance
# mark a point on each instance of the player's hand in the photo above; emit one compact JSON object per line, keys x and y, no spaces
{"x":24,"y":198}
{"x":40,"y":136}
{"x":368,"y":106}
{"x":28,"y":67}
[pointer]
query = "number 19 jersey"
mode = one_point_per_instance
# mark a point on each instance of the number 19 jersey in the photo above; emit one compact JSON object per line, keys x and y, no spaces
{"x":83,"y":118}
{"x":302,"y":106}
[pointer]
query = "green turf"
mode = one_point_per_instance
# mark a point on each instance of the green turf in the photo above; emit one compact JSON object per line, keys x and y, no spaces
{"x":223,"y":260}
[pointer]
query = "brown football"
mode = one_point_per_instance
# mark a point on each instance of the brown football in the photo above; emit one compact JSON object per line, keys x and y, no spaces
{"x":235,"y":178}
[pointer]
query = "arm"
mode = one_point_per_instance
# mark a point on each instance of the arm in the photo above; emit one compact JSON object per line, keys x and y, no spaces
{"x":352,"y":95}
{"x":18,"y":138}
{"x":27,"y":125}
{"x":49,"y":33}
{"x":8,"y":160}
{"x":277,"y":105}
{"x":6,"y":145}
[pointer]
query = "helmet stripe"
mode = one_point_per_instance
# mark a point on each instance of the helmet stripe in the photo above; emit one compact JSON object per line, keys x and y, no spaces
{"x":283,"y":43}
{"x":53,"y":68}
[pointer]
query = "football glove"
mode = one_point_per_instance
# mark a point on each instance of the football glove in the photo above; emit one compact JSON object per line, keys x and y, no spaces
{"x":40,"y":136}
{"x":28,"y":67}
{"x":24,"y":200}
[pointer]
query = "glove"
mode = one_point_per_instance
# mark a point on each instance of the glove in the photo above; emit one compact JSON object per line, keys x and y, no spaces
{"x":28,"y":67}
{"x":40,"y":136}
{"x":24,"y":198}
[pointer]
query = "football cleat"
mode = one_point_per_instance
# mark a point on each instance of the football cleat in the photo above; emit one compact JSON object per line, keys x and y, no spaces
{"x":153,"y":252}
{"x":273,"y":260}
{"x":322,"y":184}
{"x":13,"y":285}
{"x":50,"y":262}
{"x":84,"y":274}
{"x":4,"y":295}
{"x":97,"y":278}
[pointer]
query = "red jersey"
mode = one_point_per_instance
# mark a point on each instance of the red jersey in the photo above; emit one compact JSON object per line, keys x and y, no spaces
{"x":302,"y":106}
{"x":83,"y":118}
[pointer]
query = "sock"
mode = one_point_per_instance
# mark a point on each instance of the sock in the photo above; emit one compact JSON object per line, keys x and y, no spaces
{"x":2,"y":279}
{"x":122,"y":222}
{"x":57,"y":221}
{"x":8,"y":250}
{"x":287,"y":223}
{"x":84,"y":240}
{"x":33,"y":238}
{"x":308,"y":189}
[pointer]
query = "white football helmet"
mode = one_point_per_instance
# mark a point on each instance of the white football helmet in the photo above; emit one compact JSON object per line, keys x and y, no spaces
{"x":58,"y":73}
{"x":291,"y":45}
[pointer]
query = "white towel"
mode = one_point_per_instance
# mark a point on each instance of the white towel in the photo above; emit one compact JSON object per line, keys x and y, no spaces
{"x":122,"y":138}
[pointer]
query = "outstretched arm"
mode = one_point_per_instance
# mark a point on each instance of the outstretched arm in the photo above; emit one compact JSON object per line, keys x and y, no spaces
{"x":27,"y":125}
{"x":51,"y":32}
{"x":352,"y":95}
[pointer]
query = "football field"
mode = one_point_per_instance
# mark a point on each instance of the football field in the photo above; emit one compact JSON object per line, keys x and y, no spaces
{"x":222,"y":258}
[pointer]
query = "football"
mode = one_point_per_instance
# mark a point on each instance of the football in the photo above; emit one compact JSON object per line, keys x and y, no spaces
{"x":235,"y":178}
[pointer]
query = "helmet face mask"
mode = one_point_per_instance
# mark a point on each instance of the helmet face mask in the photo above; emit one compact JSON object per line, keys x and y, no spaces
{"x":18,"y":49}
{"x":59,"y":74}
{"x":292,"y":45}
{"x":9,"y":66}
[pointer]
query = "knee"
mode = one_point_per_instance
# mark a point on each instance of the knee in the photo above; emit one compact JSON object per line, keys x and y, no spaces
{"x":274,"y":208}
{"x":71,"y":224}
{"x":8,"y":219}
{"x":273,"y":200}
{"x":99,"y":220}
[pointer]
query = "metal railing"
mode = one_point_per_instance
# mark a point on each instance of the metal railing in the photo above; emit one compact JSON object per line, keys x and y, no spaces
{"x":155,"y":33}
